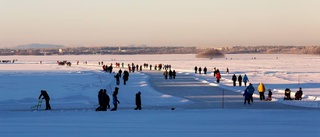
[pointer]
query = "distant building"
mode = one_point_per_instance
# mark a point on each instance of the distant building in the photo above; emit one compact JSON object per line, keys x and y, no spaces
{"x":60,"y":51}
{"x":121,"y":50}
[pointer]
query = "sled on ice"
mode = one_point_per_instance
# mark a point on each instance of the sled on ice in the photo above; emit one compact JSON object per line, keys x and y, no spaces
{"x":38,"y":105}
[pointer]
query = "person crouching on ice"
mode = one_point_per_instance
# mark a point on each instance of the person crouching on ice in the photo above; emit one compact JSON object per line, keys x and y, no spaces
{"x":269,"y":95}
{"x":45,"y":96}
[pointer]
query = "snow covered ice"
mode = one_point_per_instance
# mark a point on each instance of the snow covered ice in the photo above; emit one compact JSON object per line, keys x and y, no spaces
{"x":73,"y":92}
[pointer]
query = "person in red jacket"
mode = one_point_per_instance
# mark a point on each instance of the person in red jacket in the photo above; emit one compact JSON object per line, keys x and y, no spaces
{"x":218,"y":76}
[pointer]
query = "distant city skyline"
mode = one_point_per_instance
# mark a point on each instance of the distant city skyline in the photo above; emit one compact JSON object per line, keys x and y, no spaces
{"x":203,"y":23}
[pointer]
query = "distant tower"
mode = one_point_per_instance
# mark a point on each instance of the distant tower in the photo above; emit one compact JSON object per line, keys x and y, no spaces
{"x":119,"y":49}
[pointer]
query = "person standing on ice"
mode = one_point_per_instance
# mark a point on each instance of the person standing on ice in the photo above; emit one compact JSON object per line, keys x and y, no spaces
{"x":115,"y":100}
{"x":195,"y":69}
{"x":240,"y":80}
{"x":200,"y":69}
{"x":117,"y":78}
{"x":247,"y":97}
{"x":45,"y":96}
{"x":245,"y":79}
{"x":250,"y":89}
{"x":103,"y":100}
{"x":170,"y":74}
{"x":234,"y":79}
{"x":138,"y":101}
{"x":174,"y":74}
{"x":165,"y":74}
{"x":120,"y":72}
{"x":261,"y":90}
{"x":205,"y":70}
{"x":125,"y":77}
{"x":227,"y":71}
{"x":106,"y":98}
{"x":218,"y":76}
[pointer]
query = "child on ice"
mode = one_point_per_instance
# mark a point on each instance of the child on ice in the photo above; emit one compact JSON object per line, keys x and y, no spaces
{"x":269,"y":95}
{"x":247,"y":97}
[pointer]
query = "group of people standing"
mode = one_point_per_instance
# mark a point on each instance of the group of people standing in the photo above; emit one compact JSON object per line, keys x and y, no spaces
{"x":125,"y":77}
{"x":261,"y":90}
{"x":104,"y":100}
{"x":240,"y":79}
{"x":171,"y":74}
{"x":196,"y":70}
{"x":248,"y":92}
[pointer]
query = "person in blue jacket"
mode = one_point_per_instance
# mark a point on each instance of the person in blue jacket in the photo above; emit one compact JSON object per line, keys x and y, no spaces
{"x":115,"y":100}
{"x":250,"y":89}
{"x":245,"y":79}
{"x":247,"y":97}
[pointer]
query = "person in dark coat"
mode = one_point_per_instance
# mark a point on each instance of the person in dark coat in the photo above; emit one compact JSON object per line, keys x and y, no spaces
{"x":45,"y":96}
{"x":174,"y":74}
{"x":205,"y":70}
{"x":120,"y":72}
{"x":269,"y":95}
{"x":138,"y":101}
{"x":170,"y":74}
{"x":298,"y":94}
{"x":240,"y":80}
{"x":104,"y":100}
{"x":117,"y":78}
{"x":165,"y":74}
{"x":195,"y":69}
{"x":234,"y":79}
{"x":107,"y":98}
{"x":99,"y":108}
{"x":125,"y":77}
{"x":110,"y":68}
{"x":227,"y":71}
{"x":115,"y":100}
{"x":200,"y":69}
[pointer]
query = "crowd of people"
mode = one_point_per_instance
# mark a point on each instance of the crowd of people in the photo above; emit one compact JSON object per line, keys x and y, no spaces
{"x":104,"y":99}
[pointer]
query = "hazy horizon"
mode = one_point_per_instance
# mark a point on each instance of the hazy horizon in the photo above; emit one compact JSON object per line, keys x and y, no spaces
{"x":205,"y":23}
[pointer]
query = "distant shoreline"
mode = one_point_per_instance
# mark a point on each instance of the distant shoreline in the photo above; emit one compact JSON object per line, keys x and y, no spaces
{"x":145,"y":50}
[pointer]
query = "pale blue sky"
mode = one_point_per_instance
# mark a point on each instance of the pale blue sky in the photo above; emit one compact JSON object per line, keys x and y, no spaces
{"x":213,"y":23}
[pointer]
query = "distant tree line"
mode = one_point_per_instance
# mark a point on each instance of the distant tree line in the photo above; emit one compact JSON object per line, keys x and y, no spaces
{"x":271,"y":50}
{"x":164,"y":50}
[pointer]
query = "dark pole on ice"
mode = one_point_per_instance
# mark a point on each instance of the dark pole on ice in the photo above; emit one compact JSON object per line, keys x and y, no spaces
{"x":223,"y":99}
{"x":100,"y":79}
{"x":299,"y":80}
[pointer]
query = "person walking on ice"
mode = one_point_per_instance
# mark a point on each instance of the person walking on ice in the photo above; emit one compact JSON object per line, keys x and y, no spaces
{"x":115,"y":99}
{"x":138,"y":101}
{"x":240,"y":80}
{"x":234,"y":79}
